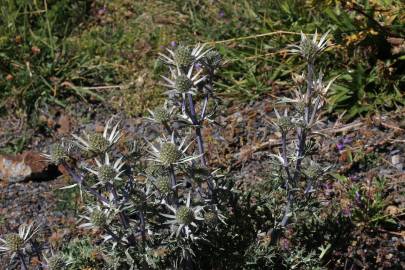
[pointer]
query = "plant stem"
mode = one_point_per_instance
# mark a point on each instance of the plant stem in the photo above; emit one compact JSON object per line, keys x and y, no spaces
{"x":123,"y":218}
{"x":113,"y":235}
{"x":79,"y":180}
{"x":174,"y":185}
{"x":200,"y":142}
{"x":142,"y":224}
{"x":193,"y":116}
{"x":23,"y":264}
{"x":301,"y":138}
{"x":38,"y":253}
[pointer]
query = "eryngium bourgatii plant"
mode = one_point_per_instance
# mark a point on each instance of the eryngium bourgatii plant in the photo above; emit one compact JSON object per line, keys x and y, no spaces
{"x":159,"y":197}
{"x":298,"y":172}
{"x":157,"y":205}
{"x":16,"y":244}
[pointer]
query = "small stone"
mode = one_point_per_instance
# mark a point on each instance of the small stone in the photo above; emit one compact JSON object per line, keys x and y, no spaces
{"x":24,"y":167}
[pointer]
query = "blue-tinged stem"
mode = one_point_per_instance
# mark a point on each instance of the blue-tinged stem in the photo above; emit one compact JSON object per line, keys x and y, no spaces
{"x":174,"y":183}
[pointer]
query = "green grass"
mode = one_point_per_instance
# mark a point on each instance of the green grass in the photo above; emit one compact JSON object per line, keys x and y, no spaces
{"x":106,"y":50}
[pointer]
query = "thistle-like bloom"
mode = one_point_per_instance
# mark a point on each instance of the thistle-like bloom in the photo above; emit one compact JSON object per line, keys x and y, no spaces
{"x":163,"y":184}
{"x":161,"y":115}
{"x":58,"y":153}
{"x":310,"y":48}
{"x":14,"y":243}
{"x":107,"y":172}
{"x":213,"y":217}
{"x":170,"y":153}
{"x":98,"y":143}
{"x":184,"y":217}
{"x":211,"y":60}
{"x":283,"y":122}
{"x":55,"y":262}
{"x":182,"y":84}
{"x":97,"y":217}
{"x":184,"y":57}
{"x":155,"y":170}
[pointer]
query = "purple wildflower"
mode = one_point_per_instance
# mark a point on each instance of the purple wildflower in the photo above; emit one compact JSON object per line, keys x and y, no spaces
{"x":221,"y":14}
{"x":102,"y":11}
{"x":328,"y":189}
{"x":347,"y":140}
{"x":357,"y":197}
{"x":346,"y":212}
{"x":197,"y":66}
{"x":354,"y":178}
{"x":340,"y":146}
{"x":173,"y":43}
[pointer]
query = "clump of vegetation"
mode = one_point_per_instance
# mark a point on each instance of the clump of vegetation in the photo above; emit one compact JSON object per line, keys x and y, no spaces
{"x":155,"y":203}
{"x":179,"y":215}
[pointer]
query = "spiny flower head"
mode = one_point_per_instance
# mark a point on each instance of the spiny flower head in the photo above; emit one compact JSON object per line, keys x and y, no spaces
{"x":210,"y":218}
{"x":58,"y":153}
{"x":161,"y":114}
{"x":97,"y":217}
{"x":56,"y":262}
{"x":155,"y":170}
{"x":138,"y":198}
{"x":312,"y":169}
{"x":283,"y":122}
{"x":183,"y":83}
{"x":107,"y":171}
{"x":163,"y":184}
{"x":199,"y":173}
{"x":16,"y":242}
{"x":308,"y":48}
{"x":99,"y":143}
{"x":183,"y":56}
{"x":184,"y":215}
{"x":169,"y":152}
{"x":212,"y":59}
